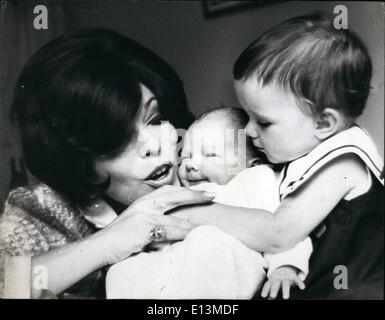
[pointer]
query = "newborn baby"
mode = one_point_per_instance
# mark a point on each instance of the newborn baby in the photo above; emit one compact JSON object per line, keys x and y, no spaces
{"x":215,"y":155}
{"x":209,"y":263}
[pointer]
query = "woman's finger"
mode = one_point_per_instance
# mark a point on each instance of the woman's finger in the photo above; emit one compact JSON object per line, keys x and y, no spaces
{"x":168,"y":228}
{"x":206,"y":187}
{"x":166,"y":201}
{"x":163,"y":189}
{"x":286,"y":284}
{"x":173,"y":233}
{"x":174,"y":221}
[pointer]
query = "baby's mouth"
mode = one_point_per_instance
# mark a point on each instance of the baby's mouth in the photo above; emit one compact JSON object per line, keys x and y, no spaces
{"x":195,"y":182}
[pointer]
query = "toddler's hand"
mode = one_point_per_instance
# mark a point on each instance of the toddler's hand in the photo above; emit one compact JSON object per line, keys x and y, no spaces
{"x":284,"y":277}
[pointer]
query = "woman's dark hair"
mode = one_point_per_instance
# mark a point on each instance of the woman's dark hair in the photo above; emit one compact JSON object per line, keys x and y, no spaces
{"x":323,"y":66}
{"x":76,"y":100}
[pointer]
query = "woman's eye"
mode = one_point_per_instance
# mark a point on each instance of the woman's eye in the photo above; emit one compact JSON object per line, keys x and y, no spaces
{"x":156,"y":120}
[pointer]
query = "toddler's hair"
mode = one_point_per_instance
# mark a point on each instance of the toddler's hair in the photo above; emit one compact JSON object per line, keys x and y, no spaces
{"x":323,"y":67}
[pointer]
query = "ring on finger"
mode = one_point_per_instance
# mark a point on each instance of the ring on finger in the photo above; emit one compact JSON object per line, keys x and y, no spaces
{"x":158,"y":233}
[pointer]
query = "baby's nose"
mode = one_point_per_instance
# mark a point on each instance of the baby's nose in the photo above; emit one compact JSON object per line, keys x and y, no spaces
{"x":191,"y":166}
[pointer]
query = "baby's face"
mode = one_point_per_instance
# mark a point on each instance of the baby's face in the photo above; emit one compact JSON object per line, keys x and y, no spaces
{"x":209,"y":153}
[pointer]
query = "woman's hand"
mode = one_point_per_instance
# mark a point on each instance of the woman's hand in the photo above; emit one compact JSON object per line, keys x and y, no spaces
{"x":127,"y":234}
{"x":131,"y":231}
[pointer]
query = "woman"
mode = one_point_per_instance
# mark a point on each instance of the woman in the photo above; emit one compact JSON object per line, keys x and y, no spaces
{"x":90,"y":106}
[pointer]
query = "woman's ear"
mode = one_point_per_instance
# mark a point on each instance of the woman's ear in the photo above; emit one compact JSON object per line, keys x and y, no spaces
{"x":328,"y":123}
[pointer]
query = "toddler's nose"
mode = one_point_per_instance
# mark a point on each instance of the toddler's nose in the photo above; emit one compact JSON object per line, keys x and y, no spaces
{"x":251,"y":131}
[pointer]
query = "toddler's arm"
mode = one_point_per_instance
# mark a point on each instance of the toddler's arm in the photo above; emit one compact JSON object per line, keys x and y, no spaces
{"x":296,"y":217}
{"x":297,"y":257}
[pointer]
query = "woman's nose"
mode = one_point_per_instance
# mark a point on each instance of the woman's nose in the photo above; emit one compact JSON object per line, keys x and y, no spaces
{"x":149,"y":145}
{"x":251,"y":131}
{"x":160,"y":140}
{"x":152,"y":148}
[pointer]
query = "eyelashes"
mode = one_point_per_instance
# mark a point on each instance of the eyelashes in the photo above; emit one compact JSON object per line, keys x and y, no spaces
{"x":210,"y":155}
{"x":206,"y":155}
{"x":263,"y":124}
{"x":156,"y":120}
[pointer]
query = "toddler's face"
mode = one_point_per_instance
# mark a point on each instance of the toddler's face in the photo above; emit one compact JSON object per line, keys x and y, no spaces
{"x":208,"y":155}
{"x":278,"y":126}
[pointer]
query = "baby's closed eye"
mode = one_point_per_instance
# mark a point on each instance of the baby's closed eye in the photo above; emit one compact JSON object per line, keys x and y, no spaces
{"x":211,"y":154}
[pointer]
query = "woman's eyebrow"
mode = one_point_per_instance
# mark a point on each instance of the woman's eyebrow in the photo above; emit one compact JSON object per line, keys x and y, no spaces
{"x":148,"y":102}
{"x":147,"y":111}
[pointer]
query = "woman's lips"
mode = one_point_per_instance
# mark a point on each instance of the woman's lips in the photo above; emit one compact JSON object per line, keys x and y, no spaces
{"x":161,"y":175}
{"x":159,"y":171}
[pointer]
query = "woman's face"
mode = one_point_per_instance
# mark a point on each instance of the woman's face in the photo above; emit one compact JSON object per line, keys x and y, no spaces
{"x":149,"y":160}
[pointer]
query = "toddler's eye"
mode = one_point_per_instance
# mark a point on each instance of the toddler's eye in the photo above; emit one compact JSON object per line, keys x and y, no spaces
{"x":264,"y":124}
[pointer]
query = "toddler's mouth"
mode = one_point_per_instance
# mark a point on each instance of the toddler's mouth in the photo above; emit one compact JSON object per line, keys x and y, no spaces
{"x":260,"y":149}
{"x":256,"y":144}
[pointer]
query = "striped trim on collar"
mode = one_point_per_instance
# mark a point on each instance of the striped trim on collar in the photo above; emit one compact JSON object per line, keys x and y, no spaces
{"x":353,"y":140}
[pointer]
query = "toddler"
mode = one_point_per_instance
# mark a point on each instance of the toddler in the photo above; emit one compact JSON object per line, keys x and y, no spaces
{"x":303,"y":84}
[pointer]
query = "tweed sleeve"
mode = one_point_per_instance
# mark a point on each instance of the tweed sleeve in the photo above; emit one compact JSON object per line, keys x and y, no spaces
{"x":37,"y":219}
{"x":22,"y":234}
{"x":34,"y":221}
{"x":2,"y":276}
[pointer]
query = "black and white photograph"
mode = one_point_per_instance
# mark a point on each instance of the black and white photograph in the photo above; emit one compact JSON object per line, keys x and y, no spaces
{"x":192,"y":150}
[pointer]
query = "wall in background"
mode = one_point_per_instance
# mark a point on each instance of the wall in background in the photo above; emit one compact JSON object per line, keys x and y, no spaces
{"x":18,"y":41}
{"x":202,"y":51}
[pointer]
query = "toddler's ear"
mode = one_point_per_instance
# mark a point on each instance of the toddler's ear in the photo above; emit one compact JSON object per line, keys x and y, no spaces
{"x":328,"y":123}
